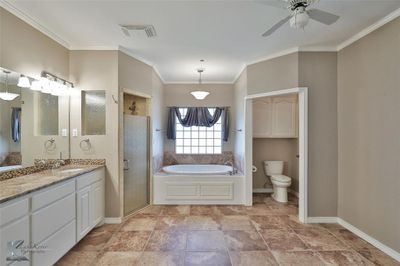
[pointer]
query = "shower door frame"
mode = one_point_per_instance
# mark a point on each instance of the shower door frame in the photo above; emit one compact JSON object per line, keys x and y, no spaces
{"x":121,"y":149}
{"x":303,"y":145}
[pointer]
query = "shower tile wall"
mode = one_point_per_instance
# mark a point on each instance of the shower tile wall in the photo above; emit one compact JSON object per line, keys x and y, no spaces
{"x":171,"y":158}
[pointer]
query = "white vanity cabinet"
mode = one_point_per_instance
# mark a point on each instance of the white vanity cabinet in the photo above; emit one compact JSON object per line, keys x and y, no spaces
{"x":90,"y":202}
{"x":14,"y":226}
{"x":54,"y":218}
{"x":275,"y":117}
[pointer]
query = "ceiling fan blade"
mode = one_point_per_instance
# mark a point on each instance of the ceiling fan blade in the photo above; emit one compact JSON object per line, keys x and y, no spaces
{"x":274,"y":3}
{"x":323,"y":16}
{"x":276,"y":26}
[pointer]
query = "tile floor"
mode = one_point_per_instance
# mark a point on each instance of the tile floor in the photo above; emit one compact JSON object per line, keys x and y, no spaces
{"x":267,"y":233}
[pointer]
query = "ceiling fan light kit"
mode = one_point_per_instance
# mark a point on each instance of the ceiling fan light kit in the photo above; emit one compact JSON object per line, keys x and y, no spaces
{"x":300,"y":14}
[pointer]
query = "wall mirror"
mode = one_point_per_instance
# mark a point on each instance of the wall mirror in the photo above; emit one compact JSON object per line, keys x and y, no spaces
{"x":93,"y":112}
{"x":34,"y":120}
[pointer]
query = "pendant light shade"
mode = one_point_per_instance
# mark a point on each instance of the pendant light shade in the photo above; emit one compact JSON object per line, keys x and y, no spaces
{"x":24,"y":82}
{"x":200,"y":95}
{"x":8,"y":96}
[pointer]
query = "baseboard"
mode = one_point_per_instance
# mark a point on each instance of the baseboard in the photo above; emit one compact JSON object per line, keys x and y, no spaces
{"x":112,"y":220}
{"x":379,"y":245}
{"x":263,"y":190}
{"x":322,"y":220}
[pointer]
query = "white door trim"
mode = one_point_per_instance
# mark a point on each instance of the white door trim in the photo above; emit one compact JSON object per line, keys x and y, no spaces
{"x":303,"y":145}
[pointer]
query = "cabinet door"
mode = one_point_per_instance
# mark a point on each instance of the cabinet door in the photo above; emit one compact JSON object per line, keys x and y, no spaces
{"x":284,"y":117}
{"x":83,"y":215}
{"x":17,"y":230}
{"x":262,"y":118}
{"x":97,"y":193}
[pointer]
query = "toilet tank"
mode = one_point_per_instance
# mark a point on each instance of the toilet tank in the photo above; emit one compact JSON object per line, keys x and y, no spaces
{"x":273,"y":167}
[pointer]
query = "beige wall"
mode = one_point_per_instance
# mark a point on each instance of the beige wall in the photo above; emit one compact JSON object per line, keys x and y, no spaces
{"x":275,"y":74}
{"x":318,"y":72}
{"x":179,"y":95}
{"x":134,"y":74}
{"x":369,"y":130}
{"x":240,"y":91}
{"x":26,"y":50}
{"x":158,"y":119}
{"x":98,"y":70}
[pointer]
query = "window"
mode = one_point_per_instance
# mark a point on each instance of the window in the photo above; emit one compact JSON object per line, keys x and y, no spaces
{"x":198,"y":140}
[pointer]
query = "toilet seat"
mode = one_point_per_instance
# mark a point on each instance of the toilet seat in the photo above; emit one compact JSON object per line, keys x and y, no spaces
{"x":281,"y":178}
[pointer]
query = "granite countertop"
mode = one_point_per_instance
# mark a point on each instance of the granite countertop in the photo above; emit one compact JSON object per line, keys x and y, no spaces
{"x":22,"y":185}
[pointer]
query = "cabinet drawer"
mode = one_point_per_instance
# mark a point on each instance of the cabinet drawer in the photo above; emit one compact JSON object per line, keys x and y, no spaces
{"x":58,"y":244}
{"x":89,"y":178}
{"x":52,"y":194}
{"x":49,"y":219}
{"x":13,"y":210}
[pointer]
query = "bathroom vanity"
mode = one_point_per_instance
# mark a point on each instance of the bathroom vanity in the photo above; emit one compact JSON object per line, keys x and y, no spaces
{"x":50,"y":211}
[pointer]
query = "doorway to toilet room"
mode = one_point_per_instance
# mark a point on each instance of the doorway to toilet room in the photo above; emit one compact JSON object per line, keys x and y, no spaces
{"x":136,"y":152}
{"x":276,"y":149}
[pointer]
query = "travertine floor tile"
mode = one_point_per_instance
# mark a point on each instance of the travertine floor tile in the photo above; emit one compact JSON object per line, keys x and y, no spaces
{"x":285,"y":240}
{"x":220,"y":258}
{"x":205,"y":241}
{"x":244,"y":240}
{"x":252,"y":258}
{"x":128,"y":241}
{"x":167,"y":241}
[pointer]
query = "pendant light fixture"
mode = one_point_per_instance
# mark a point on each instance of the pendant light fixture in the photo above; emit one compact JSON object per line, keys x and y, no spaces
{"x":199,"y":94}
{"x":7,"y":96}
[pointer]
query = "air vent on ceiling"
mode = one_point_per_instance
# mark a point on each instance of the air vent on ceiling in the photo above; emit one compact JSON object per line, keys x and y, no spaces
{"x":140,"y":31}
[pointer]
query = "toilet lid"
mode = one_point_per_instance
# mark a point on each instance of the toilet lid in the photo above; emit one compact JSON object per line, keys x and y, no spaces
{"x":281,"y":178}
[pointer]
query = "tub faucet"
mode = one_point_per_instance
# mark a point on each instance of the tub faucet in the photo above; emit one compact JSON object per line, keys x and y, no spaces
{"x":234,"y":170}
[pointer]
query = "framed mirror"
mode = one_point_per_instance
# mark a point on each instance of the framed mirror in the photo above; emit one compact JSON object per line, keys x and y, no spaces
{"x":34,"y":121}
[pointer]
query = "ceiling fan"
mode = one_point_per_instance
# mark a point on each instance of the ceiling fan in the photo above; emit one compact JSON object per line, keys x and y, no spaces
{"x":300,"y":14}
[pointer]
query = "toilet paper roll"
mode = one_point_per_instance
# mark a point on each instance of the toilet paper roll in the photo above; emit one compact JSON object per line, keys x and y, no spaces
{"x":254,"y":169}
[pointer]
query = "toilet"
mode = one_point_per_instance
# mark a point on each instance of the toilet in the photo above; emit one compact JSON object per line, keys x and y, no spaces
{"x":280,"y":183}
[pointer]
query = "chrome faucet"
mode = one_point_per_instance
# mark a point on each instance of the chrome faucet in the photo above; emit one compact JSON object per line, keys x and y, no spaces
{"x":234,"y":170}
{"x":58,"y":162}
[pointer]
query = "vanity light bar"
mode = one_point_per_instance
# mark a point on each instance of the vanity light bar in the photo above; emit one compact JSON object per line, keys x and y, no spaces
{"x":54,"y":85}
{"x":53,"y":77}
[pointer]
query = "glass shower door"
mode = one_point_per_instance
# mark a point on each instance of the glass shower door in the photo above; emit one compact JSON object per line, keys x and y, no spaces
{"x":136,"y":163}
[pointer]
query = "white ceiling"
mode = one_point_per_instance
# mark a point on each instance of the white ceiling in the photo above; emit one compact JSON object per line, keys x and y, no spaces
{"x":227,"y":34}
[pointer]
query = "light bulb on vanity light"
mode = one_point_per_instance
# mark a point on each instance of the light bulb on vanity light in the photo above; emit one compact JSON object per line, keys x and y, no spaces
{"x":46,"y":88}
{"x":24,"y":82}
{"x":36,"y":85}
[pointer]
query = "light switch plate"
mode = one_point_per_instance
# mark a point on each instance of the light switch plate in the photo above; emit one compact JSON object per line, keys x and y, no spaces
{"x":75,"y":132}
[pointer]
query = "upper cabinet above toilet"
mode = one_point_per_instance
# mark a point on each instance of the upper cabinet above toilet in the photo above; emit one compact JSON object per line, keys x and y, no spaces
{"x":275,"y":117}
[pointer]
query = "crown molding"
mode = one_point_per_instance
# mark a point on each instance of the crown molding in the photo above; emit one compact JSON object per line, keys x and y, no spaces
{"x":32,"y":22}
{"x":395,"y":14}
{"x":143,"y":60}
{"x":243,"y":68}
{"x":197,"y":83}
{"x":94,"y":48}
